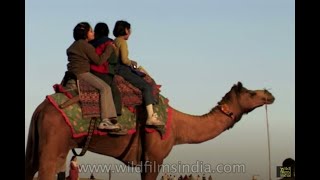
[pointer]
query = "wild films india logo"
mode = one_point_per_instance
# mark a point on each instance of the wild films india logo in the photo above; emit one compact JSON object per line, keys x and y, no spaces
{"x":283,"y":172}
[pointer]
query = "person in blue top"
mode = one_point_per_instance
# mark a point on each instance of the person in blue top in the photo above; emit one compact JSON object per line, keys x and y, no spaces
{"x":105,"y":71}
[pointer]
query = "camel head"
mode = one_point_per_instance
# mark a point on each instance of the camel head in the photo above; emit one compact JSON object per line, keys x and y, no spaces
{"x":246,"y":100}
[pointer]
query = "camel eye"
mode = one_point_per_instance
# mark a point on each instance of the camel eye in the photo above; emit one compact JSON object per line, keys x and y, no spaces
{"x":252,"y":93}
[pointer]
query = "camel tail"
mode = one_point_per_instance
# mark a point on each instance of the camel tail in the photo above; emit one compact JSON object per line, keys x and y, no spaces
{"x":32,"y":156}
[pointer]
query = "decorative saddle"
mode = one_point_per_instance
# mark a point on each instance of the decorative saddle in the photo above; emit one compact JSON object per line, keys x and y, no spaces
{"x":78,"y":108}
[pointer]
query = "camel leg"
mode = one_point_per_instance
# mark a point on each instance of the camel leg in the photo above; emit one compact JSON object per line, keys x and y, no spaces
{"x":155,"y":152}
{"x":48,"y":163}
{"x":62,"y":168}
{"x":150,"y":170}
{"x":52,"y":160}
{"x":54,"y":139}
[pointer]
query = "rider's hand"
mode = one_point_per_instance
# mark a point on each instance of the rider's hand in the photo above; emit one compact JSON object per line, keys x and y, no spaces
{"x":134,"y":64}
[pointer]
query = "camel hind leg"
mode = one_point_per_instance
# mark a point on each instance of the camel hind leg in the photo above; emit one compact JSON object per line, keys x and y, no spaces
{"x":62,"y":168}
{"x":54,"y":143}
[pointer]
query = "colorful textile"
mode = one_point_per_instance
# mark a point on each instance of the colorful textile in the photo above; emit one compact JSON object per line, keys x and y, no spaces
{"x":132,"y":96}
{"x":90,"y":100}
{"x":79,"y":125}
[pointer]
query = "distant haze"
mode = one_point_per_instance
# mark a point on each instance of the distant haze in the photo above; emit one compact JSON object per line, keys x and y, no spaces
{"x":196,"y":50}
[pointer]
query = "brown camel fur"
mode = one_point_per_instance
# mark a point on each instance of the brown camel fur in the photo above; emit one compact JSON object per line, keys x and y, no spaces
{"x":49,"y":139}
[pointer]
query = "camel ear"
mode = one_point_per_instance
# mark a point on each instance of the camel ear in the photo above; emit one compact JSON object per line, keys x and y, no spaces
{"x":239,"y":86}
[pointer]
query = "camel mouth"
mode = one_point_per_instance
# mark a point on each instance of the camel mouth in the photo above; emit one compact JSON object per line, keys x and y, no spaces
{"x":270,"y":100}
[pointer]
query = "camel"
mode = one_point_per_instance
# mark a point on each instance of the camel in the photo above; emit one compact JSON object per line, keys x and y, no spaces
{"x":50,"y":139}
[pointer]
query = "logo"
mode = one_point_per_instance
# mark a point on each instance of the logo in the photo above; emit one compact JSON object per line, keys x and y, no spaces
{"x":284,"y":171}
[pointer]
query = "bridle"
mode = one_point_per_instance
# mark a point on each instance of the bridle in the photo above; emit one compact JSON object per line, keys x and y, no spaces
{"x":225,"y":110}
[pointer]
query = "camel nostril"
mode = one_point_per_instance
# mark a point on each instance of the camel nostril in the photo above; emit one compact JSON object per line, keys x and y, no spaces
{"x":272,"y":99}
{"x":269,"y":100}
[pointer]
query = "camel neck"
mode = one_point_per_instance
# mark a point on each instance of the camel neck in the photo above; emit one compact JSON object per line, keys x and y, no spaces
{"x":191,"y":129}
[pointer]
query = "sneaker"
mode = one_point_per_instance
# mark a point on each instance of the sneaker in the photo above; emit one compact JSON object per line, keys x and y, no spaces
{"x":108,"y":125}
{"x":154,"y":121}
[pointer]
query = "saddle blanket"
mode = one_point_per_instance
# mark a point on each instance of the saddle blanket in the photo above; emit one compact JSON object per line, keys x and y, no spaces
{"x":79,"y":125}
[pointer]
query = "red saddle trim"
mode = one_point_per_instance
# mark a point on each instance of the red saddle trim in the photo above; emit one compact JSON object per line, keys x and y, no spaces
{"x":65,"y":117}
{"x":101,"y":133}
{"x":58,"y":88}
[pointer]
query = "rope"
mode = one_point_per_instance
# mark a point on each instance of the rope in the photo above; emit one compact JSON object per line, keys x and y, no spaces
{"x":268,"y":141}
{"x":88,"y":139}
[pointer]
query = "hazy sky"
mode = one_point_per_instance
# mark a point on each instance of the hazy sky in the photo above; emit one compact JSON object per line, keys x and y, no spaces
{"x":196,"y":50}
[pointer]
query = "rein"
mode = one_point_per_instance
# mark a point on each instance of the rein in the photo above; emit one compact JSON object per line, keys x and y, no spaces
{"x":268,"y":140}
{"x":92,"y":126}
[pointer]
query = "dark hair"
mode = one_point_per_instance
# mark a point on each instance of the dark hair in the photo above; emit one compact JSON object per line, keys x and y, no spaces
{"x":289,"y":162}
{"x":81,"y":30}
{"x":120,"y":28}
{"x":101,"y":29}
{"x":73,"y":157}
